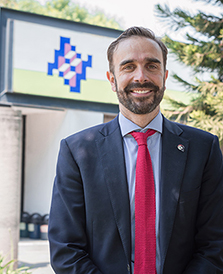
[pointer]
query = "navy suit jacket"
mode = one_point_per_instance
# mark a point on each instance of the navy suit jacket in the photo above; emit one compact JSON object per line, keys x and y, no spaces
{"x":89,"y":225}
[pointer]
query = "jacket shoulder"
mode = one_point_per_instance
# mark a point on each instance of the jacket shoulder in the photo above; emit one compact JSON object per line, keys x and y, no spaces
{"x":93,"y":133}
{"x":186,"y":130}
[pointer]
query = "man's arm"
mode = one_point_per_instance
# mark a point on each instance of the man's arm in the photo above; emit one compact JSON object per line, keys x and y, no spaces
{"x":208,"y":255}
{"x":67,"y":235}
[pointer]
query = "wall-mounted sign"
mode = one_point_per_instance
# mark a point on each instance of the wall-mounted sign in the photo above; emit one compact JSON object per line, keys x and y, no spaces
{"x":69,"y":64}
{"x":61,"y":63}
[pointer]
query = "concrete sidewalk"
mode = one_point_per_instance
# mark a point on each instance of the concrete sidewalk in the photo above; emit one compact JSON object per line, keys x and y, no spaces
{"x":35,"y":255}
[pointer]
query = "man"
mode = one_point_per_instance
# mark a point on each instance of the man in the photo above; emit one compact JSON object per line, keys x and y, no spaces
{"x":92,"y":218}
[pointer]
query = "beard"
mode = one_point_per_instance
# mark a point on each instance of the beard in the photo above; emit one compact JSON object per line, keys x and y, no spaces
{"x":140,"y":105}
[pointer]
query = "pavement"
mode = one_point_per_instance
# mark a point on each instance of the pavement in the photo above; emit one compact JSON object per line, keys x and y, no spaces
{"x":35,"y":255}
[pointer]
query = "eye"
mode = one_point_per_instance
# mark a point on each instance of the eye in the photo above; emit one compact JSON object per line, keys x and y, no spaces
{"x":152,"y":66}
{"x":129,"y":67}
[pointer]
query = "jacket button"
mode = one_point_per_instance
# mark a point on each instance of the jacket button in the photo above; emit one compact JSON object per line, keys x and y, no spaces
{"x":128,"y":267}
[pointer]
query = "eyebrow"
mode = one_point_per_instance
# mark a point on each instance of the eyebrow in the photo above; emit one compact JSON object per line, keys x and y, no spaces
{"x":148,"y":60}
{"x":123,"y":63}
{"x":153,"y":60}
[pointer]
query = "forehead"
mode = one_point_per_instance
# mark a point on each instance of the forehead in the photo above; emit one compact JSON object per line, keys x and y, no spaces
{"x":138,"y":49}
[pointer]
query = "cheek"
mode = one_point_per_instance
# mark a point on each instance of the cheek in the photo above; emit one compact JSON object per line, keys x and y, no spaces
{"x":158,"y":80}
{"x":123,"y":81}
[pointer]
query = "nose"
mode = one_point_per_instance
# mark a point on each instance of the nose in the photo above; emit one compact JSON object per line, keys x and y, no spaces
{"x":141,"y":75}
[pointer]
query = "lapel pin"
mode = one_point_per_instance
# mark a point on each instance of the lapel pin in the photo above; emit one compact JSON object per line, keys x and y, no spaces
{"x":181,"y":147}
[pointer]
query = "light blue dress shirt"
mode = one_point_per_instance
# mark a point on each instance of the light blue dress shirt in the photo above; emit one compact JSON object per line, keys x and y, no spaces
{"x":130,"y":151}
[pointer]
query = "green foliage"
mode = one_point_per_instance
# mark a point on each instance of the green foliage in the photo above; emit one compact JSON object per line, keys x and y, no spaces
{"x":64,"y":9}
{"x":9,"y":268}
{"x":203,"y":52}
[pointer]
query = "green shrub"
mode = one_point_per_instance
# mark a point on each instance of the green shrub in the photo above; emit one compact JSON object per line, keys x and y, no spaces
{"x":8,"y":268}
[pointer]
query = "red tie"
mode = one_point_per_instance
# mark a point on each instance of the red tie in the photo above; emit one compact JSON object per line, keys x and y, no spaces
{"x":145,"y":208}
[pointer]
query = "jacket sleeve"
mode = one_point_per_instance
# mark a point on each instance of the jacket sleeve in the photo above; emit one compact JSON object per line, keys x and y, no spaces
{"x":208,"y":253}
{"x":67,"y":234}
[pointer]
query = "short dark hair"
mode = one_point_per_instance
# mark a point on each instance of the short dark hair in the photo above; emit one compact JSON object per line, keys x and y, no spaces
{"x":135,"y":31}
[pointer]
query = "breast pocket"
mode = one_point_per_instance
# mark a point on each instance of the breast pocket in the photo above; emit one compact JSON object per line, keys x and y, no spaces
{"x":187,"y":206}
{"x":189,"y":196}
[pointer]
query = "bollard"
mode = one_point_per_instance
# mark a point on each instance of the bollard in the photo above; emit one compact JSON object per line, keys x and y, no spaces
{"x":34,"y":226}
{"x":24,"y":232}
{"x":44,"y":227}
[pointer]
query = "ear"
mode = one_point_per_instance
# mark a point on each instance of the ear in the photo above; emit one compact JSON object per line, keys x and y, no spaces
{"x":111,"y":79}
{"x":166,"y":74}
{"x":165,"y":77}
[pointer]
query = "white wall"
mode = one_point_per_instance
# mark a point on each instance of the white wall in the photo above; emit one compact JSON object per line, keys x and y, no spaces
{"x":43,"y":134}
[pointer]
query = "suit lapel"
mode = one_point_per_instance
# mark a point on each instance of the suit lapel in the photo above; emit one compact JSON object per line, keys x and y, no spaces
{"x":173,"y":165}
{"x":111,"y":151}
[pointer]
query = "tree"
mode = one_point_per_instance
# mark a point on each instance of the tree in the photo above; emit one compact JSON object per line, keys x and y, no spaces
{"x":64,"y":9}
{"x":202,"y":50}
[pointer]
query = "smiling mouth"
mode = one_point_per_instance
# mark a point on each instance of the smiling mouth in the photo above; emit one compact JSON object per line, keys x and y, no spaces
{"x":141,"y":91}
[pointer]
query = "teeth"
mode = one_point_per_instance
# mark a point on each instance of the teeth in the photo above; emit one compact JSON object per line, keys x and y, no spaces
{"x":141,"y":91}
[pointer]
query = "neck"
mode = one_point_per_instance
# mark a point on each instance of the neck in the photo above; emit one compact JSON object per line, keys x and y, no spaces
{"x":140,"y":120}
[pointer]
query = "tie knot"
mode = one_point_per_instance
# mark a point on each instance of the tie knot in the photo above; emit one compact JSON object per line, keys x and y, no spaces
{"x":141,"y":137}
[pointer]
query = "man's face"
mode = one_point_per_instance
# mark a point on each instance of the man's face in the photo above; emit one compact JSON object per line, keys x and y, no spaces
{"x":139,"y":76}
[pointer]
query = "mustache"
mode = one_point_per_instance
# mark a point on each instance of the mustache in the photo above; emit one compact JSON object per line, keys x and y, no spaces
{"x":147,"y":85}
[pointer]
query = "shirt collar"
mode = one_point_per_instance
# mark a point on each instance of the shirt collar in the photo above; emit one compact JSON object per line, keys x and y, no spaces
{"x":128,"y":126}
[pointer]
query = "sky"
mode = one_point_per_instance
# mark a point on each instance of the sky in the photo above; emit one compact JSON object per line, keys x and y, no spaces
{"x":141,"y":12}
